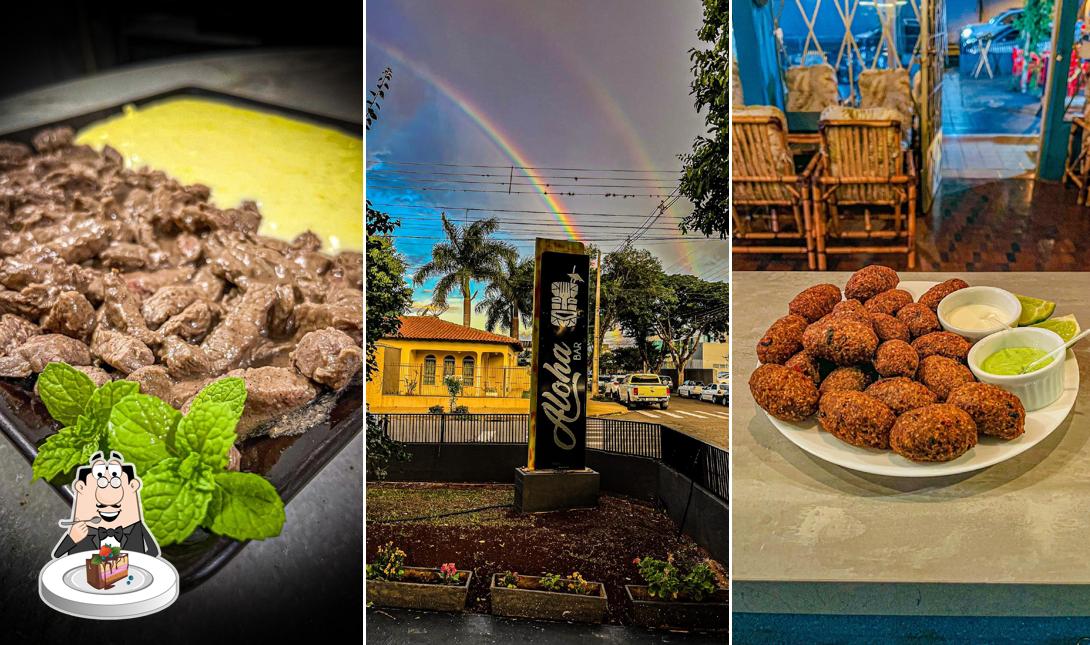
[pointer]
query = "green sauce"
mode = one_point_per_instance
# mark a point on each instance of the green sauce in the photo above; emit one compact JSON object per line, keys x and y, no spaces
{"x":1010,"y":361}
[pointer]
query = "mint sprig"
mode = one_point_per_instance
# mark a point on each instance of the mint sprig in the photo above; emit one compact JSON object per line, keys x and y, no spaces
{"x":82,"y":409}
{"x":186,"y":483}
{"x":182,"y":460}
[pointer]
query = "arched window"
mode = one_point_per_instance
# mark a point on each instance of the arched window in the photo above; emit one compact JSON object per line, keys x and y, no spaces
{"x":429,"y":370}
{"x":448,"y":366}
{"x":467,"y":370}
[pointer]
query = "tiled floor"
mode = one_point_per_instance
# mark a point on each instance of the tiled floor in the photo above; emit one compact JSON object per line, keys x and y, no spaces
{"x":978,"y":225}
{"x":988,"y":157}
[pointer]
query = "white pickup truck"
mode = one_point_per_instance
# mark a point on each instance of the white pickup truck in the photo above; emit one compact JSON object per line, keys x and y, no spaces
{"x":646,"y":389}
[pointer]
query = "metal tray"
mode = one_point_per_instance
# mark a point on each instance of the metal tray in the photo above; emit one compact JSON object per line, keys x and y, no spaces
{"x":288,"y":462}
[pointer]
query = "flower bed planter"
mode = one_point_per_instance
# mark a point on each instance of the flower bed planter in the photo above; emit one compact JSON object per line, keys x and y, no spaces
{"x":710,"y":614}
{"x":548,"y":605}
{"x":432,"y":596}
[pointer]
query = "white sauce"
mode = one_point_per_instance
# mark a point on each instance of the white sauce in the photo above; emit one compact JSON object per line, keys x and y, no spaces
{"x":976,"y":317}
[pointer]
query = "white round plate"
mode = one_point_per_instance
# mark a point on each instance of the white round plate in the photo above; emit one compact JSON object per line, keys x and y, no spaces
{"x":62,"y":584}
{"x":988,"y":451}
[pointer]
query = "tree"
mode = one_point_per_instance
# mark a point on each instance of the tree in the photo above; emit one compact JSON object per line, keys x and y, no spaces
{"x":468,"y":254}
{"x":622,"y":359}
{"x":388,"y":297}
{"x":705,"y":179}
{"x":632,"y":282}
{"x":1035,"y":23}
{"x":509,"y":297}
{"x":689,"y":310}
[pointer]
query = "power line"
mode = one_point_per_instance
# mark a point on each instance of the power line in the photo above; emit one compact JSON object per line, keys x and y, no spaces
{"x":508,"y":210}
{"x":512,"y":183}
{"x":411,"y":220}
{"x":441,"y":173}
{"x":519,"y":192}
{"x":467,"y":165}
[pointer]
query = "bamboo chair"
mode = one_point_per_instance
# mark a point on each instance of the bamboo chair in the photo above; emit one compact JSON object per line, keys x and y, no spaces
{"x":888,"y":88}
{"x":811,"y":88}
{"x":1077,"y":163}
{"x":771,"y":202}
{"x":864,"y":165}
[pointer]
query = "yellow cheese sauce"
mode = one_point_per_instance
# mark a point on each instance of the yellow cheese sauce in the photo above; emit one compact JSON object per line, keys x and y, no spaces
{"x":302,"y":176}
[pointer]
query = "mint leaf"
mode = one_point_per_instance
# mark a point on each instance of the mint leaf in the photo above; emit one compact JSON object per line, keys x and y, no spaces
{"x":65,"y":391}
{"x":229,"y":391}
{"x":245,"y":507}
{"x":173,"y":505}
{"x":142,"y":428}
{"x":98,"y":408}
{"x":61,"y":453}
{"x":209,"y":431}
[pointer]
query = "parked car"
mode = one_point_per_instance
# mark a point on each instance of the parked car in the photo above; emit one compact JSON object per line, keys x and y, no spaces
{"x":644,"y":389}
{"x":993,"y":26}
{"x":718,"y":393}
{"x":667,"y":381}
{"x":690,"y":389}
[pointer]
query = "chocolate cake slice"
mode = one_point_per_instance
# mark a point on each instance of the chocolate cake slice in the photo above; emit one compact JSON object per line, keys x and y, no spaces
{"x":106,"y":567}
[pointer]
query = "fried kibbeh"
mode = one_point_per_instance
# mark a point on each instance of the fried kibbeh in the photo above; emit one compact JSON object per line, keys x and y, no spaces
{"x":941,"y":375}
{"x":815,"y":303}
{"x":889,"y":328}
{"x":841,"y":340}
{"x":901,"y":394}
{"x":807,"y":364}
{"x":845,"y":379}
{"x":896,"y":358}
{"x":870,"y":281}
{"x":996,"y":412}
{"x":919,"y":319}
{"x":857,"y":419}
{"x":889,"y":302}
{"x":940,"y":432}
{"x":782,"y":340}
{"x":851,"y":310}
{"x":783,"y":392}
{"x":942,"y":343}
{"x":935,"y":294}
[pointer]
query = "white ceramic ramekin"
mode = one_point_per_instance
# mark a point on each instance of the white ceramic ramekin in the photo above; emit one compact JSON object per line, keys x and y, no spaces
{"x":1004,"y":301}
{"x":1037,"y":389}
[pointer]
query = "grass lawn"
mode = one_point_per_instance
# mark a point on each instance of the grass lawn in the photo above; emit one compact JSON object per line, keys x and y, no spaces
{"x":598,"y":543}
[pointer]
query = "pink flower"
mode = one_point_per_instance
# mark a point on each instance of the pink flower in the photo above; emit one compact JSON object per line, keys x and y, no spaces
{"x":448,"y":569}
{"x":635,"y":560}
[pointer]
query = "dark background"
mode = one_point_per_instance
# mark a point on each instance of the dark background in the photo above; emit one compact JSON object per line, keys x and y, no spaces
{"x":51,"y":42}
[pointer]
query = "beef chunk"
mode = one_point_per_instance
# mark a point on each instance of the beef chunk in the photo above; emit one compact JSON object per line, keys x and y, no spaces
{"x":192,"y":324}
{"x":210,"y":285}
{"x":14,"y":331}
{"x":182,"y":359}
{"x":14,"y":367}
{"x":44,"y":349}
{"x":230,"y":344}
{"x":122,"y":311}
{"x":71,"y":315}
{"x":98,"y":375}
{"x":125,"y":256}
{"x":53,"y":139}
{"x":344,"y":312}
{"x":153,"y":380}
{"x":12,"y":154}
{"x":271,"y":392}
{"x":120,"y":351}
{"x":168,"y":302}
{"x":328,"y":356}
{"x":145,"y":283}
{"x":347,"y":270}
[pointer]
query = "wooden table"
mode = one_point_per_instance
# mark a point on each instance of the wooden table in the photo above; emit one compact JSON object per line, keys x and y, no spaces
{"x":810,"y":537}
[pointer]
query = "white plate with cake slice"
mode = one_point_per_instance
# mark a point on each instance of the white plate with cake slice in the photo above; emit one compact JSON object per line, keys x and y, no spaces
{"x":150,"y":585}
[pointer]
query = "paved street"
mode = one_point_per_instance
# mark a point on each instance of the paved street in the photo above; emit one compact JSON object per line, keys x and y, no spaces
{"x":705,"y":421}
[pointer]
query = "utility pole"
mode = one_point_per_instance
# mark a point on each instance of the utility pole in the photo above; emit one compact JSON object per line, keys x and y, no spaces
{"x":597,"y":313}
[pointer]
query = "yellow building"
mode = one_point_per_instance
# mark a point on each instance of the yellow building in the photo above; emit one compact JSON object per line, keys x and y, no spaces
{"x":414,"y":363}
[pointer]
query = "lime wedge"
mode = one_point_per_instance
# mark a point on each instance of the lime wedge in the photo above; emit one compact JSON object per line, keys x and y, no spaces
{"x":1034,"y":310}
{"x":1066,"y":326}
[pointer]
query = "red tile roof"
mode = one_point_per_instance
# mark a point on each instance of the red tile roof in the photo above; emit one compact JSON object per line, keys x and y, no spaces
{"x":432,"y":328}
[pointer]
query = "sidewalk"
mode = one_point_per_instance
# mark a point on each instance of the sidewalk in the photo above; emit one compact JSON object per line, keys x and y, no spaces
{"x":400,"y":626}
{"x":594,"y":409}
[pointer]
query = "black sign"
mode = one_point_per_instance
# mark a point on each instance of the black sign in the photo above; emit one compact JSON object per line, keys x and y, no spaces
{"x":558,"y":380}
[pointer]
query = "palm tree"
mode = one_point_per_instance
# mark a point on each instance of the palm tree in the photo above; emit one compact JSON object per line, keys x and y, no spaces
{"x":467,"y":254}
{"x":509,"y":296}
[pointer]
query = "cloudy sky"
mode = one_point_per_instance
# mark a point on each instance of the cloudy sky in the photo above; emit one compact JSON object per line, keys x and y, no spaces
{"x":504,"y":108}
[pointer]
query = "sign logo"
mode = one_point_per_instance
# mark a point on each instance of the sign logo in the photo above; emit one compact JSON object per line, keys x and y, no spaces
{"x":558,"y":422}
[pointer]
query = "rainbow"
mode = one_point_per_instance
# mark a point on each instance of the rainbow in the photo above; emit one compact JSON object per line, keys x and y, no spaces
{"x":488,"y":126}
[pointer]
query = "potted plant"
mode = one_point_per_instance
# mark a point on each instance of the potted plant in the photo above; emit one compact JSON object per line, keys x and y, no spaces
{"x":548,"y":597}
{"x":391,"y":584}
{"x":677,"y":597}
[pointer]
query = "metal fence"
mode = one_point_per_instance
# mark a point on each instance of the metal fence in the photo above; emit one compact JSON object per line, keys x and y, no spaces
{"x":427,"y":380}
{"x":705,"y":464}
